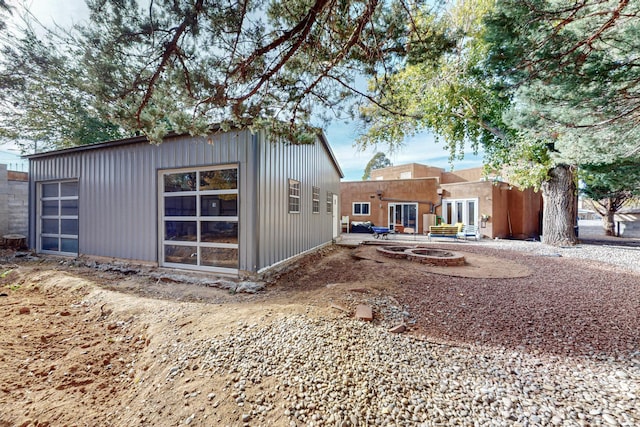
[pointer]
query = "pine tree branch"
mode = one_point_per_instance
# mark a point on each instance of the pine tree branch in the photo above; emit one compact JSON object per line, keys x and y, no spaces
{"x":169,"y":50}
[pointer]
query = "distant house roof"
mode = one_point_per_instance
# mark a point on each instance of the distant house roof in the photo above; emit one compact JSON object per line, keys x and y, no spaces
{"x":142,"y":138}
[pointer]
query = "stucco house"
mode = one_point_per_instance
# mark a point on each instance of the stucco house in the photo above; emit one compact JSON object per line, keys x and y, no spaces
{"x":412,"y":197}
{"x":234,"y":202}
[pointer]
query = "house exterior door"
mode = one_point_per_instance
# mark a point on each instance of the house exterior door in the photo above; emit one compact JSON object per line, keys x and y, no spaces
{"x":335,"y":217}
{"x":460,"y":210}
{"x":403,"y":214}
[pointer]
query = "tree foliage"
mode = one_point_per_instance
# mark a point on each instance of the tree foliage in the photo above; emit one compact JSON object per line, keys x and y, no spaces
{"x":610,"y":187}
{"x":574,"y":70}
{"x":45,"y":102}
{"x":184,"y":64}
{"x":5,"y":10}
{"x":439,"y":86}
{"x":378,"y":161}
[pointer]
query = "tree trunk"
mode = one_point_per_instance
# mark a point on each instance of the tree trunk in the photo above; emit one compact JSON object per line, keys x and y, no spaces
{"x":608,"y":221}
{"x":560,"y":207}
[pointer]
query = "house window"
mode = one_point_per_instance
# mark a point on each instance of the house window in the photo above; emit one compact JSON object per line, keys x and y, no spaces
{"x":294,"y":196}
{"x":329,"y":202}
{"x":361,"y":208}
{"x":315,"y":200}
{"x":199,"y":218}
{"x":58,"y":223}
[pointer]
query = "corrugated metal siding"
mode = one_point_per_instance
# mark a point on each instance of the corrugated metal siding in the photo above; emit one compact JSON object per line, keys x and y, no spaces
{"x":281,"y":234}
{"x":118,"y":194}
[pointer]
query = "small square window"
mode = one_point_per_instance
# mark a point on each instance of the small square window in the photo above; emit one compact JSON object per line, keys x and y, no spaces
{"x":361,"y":208}
{"x":294,"y":196}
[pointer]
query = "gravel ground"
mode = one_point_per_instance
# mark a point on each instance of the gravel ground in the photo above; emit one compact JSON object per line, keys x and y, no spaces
{"x":624,"y":253}
{"x":350,"y":373}
{"x":343,"y":372}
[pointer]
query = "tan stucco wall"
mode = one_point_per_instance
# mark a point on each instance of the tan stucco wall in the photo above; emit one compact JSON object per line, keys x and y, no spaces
{"x":413,"y":190}
{"x":417,"y":171}
{"x":463,"y":175}
{"x":514,"y":212}
{"x":503,"y":204}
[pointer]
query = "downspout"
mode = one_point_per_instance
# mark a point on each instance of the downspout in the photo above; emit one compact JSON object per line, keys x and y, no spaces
{"x":437,"y":205}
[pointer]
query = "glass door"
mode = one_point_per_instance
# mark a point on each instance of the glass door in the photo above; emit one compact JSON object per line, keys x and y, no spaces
{"x":58,"y":222}
{"x":460,"y":210}
{"x":403,"y":215}
{"x":199,"y":217}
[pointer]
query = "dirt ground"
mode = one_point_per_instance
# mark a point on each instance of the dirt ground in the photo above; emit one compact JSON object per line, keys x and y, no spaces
{"x":82,"y":346}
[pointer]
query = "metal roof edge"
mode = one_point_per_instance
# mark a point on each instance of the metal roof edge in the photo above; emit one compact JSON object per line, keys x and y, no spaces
{"x":112,"y":143}
{"x":325,"y":143}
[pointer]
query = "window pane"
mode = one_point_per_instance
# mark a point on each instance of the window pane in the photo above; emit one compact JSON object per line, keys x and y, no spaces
{"x":224,"y":179}
{"x":365,"y":209}
{"x":356,"y":209}
{"x":185,"y":181}
{"x":219,"y":205}
{"x":410,"y":218}
{"x":50,"y":190}
{"x":69,"y":226}
{"x":219,"y":232}
{"x":69,"y":245}
{"x":50,"y":207}
{"x":50,"y":244}
{"x":472,"y":213}
{"x":69,"y":207}
{"x":181,"y":254}
{"x":68,"y":189}
{"x":50,"y":226}
{"x":180,"y":206}
{"x":180,"y":230}
{"x":219,"y":257}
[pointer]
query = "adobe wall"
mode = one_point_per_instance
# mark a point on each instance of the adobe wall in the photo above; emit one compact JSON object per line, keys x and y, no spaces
{"x":415,"y":169}
{"x":409,"y":190}
{"x":463,"y":175}
{"x":483,"y":191}
{"x":14,"y":191}
{"x":525,"y":207}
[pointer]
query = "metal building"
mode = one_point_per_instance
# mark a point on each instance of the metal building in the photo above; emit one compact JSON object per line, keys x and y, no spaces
{"x":232,"y":202}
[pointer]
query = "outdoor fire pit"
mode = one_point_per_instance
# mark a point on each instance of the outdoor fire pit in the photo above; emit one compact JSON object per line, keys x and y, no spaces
{"x":437,"y":257}
{"x":396,"y":252}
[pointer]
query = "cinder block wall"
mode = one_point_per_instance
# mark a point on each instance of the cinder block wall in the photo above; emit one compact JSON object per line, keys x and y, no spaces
{"x":14,"y":190}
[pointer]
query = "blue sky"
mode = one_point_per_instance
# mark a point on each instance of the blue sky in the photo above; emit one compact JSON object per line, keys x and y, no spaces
{"x":419,"y":149}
